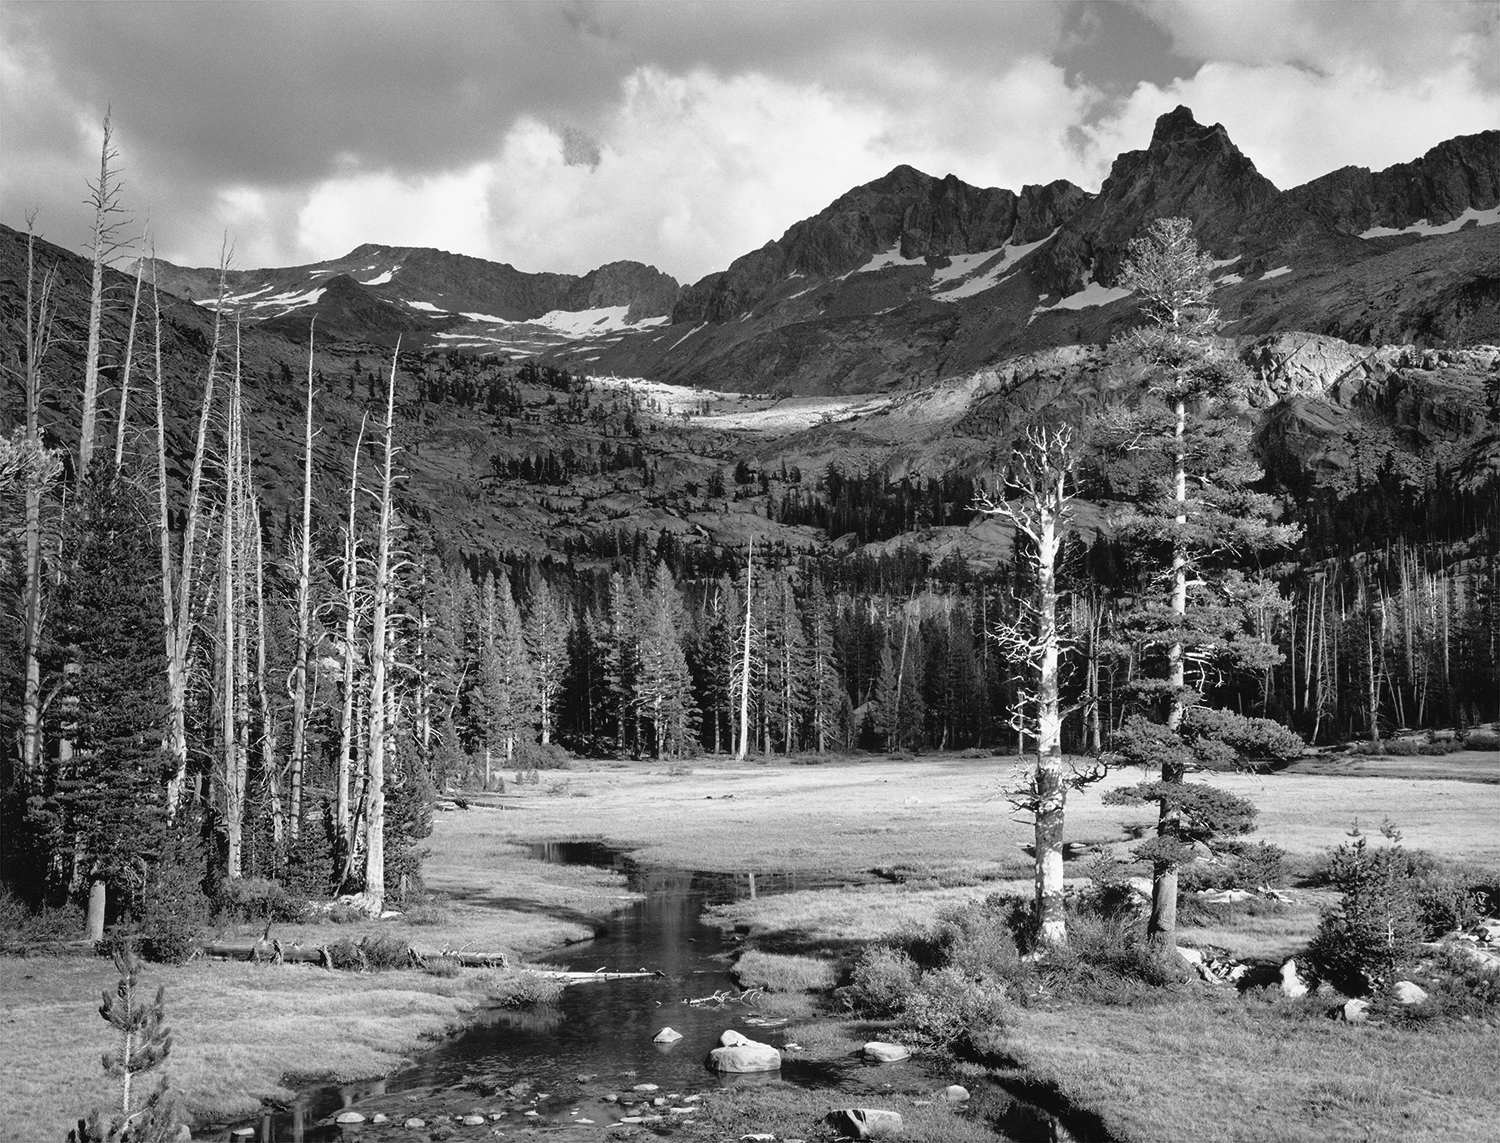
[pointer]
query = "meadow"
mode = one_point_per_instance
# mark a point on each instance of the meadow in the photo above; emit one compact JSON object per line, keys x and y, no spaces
{"x":1196,"y":1062}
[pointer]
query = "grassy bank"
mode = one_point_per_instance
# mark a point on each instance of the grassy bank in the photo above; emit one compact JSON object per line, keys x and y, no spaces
{"x":246,"y":1033}
{"x":939,"y":826}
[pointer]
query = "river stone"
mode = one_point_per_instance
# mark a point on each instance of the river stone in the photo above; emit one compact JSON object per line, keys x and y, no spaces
{"x":645,"y":1087}
{"x":865,"y":1122}
{"x":666,"y":1036}
{"x":473,"y":1121}
{"x":1291,"y":984}
{"x":349,"y":1117}
{"x":379,"y":1117}
{"x":1408,"y":993}
{"x":745,"y":1057}
{"x":243,"y":1132}
{"x":1356,"y":1011}
{"x":758,"y":1137}
{"x":886,"y":1053}
{"x":956,"y":1093}
{"x":414,"y":1123}
{"x":733,"y":1039}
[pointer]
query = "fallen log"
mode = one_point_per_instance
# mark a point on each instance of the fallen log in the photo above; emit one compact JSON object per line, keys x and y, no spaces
{"x":267,"y":952}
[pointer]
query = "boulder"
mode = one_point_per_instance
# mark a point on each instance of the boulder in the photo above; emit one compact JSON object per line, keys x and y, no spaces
{"x":884,"y":1053}
{"x":348,"y":1117}
{"x":1355,"y":1011}
{"x":956,"y":1093}
{"x":473,"y":1121}
{"x":646,"y":1087}
{"x":1407,"y":993}
{"x":666,"y":1036}
{"x":1292,"y":985}
{"x":379,"y":1118}
{"x":733,"y":1039}
{"x":415,"y":1123}
{"x":758,"y":1137}
{"x":865,"y":1122}
{"x":746,"y":1057}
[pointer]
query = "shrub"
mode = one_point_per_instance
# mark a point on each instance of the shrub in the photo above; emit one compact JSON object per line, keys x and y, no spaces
{"x":1241,"y":865}
{"x":19,"y":925}
{"x":883,"y":978}
{"x":1482,"y":740}
{"x":423,"y":913}
{"x":345,"y":913}
{"x":259,"y":899}
{"x":378,"y":953}
{"x":953,"y":1009}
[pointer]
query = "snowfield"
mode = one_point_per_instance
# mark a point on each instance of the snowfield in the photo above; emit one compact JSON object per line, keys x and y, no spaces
{"x":1427,"y":229}
{"x":741,"y":412}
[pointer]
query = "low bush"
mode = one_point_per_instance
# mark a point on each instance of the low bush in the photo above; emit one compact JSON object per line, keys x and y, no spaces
{"x":20,"y":926}
{"x":427,"y":912}
{"x":1241,"y":865}
{"x":379,"y":953}
{"x":883,"y":978}
{"x":953,"y":1010}
{"x":1482,"y":740}
{"x":345,"y":913}
{"x":256,"y":899}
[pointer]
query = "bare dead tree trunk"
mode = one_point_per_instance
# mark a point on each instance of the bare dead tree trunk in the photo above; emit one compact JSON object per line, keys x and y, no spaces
{"x":38,"y":342}
{"x":135,"y":308}
{"x":351,"y":613}
{"x":304,"y":607}
{"x":268,"y":764}
{"x":177,"y":607}
{"x":745,"y":658}
{"x":104,"y":197}
{"x":1041,"y":511}
{"x":375,"y":819}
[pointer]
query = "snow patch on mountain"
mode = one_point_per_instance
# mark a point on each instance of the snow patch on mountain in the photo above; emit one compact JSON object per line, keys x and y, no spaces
{"x":1276,"y":273}
{"x":484,"y":317}
{"x":993,"y":274}
{"x":381,"y":279}
{"x":427,"y":307}
{"x":1092,"y":294}
{"x":962,"y":265}
{"x":1427,"y":229}
{"x":888,"y":258}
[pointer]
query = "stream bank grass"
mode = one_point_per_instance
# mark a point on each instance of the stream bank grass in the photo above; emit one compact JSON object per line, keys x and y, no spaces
{"x":777,"y":973}
{"x":1249,"y":1070}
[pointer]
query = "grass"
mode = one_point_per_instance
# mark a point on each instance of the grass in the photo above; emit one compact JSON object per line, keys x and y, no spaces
{"x":1232,"y":1071}
{"x":777,"y":973}
{"x":1196,"y":1066}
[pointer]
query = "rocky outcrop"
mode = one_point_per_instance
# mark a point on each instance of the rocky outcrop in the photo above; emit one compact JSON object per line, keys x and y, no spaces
{"x":866,"y":1122}
{"x":1457,"y":175}
{"x":884,"y":1053}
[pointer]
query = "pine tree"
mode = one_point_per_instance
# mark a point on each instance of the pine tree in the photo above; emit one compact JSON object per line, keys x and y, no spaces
{"x":664,"y":689}
{"x":828,"y":697}
{"x":144,"y":1045}
{"x":1182,"y":464}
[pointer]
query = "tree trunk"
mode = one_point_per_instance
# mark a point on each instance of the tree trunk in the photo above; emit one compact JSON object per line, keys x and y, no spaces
{"x":351,"y":611}
{"x":38,"y":341}
{"x":1050,"y":793}
{"x":1161,"y":929}
{"x":102,"y":199}
{"x":745,"y":659}
{"x":135,"y":307}
{"x":375,"y":821}
{"x":304,"y":606}
{"x":177,"y":607}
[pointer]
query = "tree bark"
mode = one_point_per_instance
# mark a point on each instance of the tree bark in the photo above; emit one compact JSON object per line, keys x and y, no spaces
{"x":745,"y":659}
{"x":135,"y":307}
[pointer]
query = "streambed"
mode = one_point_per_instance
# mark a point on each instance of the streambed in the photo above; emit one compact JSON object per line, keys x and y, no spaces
{"x":576,"y":1064}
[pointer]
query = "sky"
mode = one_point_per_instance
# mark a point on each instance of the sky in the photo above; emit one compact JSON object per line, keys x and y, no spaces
{"x":561,"y":136}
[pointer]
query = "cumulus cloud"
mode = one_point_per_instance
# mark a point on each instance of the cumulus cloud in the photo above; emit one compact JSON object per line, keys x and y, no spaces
{"x":561,"y":136}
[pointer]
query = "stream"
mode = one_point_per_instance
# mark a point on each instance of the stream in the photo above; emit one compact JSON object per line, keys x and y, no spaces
{"x":577,"y":1062}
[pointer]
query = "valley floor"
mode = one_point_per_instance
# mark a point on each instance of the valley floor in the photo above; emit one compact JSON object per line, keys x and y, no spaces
{"x":1201,"y":1066}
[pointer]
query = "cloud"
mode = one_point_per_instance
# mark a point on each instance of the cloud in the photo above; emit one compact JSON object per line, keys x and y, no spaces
{"x":561,"y":136}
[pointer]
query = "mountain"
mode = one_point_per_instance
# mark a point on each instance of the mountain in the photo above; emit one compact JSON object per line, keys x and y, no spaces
{"x":375,"y":293}
{"x":911,"y":279}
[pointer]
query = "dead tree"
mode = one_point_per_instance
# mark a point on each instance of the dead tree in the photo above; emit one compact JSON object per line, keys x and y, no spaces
{"x":1040,"y":510}
{"x":104,"y":197}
